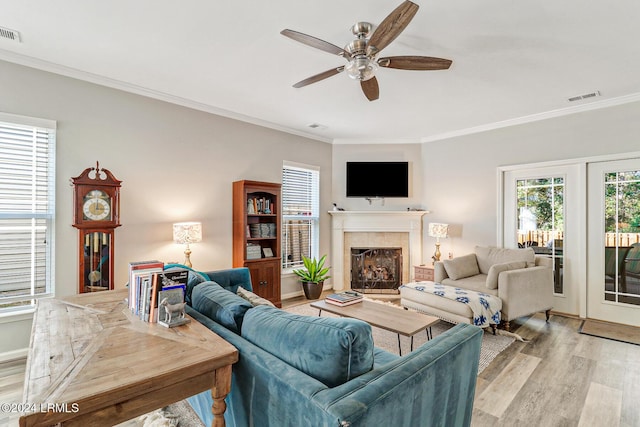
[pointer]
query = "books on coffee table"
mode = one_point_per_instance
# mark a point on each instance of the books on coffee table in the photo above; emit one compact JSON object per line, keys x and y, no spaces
{"x":344,"y":298}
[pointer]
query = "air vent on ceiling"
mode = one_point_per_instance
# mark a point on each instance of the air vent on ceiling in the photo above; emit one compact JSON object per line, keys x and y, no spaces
{"x":585,"y":96}
{"x":317,"y":126}
{"x":6,"y":33}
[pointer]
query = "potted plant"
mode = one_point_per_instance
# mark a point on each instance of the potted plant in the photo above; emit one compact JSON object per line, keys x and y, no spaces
{"x":313,"y":276}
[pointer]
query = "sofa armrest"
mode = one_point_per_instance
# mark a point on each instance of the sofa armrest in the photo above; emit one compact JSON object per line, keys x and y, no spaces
{"x":525,"y":291}
{"x":439,"y":273}
{"x":258,"y":378}
{"x":434,"y":384}
{"x":544,"y":261}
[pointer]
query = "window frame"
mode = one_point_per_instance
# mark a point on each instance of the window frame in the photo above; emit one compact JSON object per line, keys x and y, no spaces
{"x":313,"y":218}
{"x":43,"y":141}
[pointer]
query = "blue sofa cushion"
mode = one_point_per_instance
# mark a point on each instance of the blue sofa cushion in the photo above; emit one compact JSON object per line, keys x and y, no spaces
{"x":220,"y":305}
{"x":331,"y":350}
{"x":195,"y":278}
{"x":231,"y":278}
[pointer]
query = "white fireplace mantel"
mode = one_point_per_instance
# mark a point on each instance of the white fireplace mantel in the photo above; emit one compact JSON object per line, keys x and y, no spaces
{"x":370,"y":222}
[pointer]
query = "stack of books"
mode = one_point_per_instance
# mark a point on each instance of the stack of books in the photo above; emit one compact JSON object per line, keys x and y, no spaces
{"x":344,"y":298}
{"x":149,"y":285}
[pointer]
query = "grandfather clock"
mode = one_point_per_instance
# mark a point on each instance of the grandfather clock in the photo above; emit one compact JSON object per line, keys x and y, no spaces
{"x":96,"y":214}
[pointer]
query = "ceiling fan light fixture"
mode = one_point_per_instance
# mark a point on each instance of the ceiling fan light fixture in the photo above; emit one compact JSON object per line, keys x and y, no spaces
{"x":361,"y":68}
{"x":362,"y":54}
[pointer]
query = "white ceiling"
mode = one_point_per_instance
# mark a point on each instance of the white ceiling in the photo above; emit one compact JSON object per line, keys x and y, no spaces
{"x":513,"y":60}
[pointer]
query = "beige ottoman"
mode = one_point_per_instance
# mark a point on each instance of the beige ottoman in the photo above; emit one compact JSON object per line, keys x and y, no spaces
{"x":443,"y":308}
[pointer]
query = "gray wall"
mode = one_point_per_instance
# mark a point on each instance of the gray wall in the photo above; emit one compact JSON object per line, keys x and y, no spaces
{"x":460,"y":174}
{"x":176,"y":164}
{"x":456,"y":179}
{"x":376,"y":153}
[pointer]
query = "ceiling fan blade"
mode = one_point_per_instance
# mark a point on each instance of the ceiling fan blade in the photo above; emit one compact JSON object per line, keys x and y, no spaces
{"x":415,"y":63}
{"x":393,"y":25}
{"x":318,"y":77}
{"x":370,"y":88}
{"x":314,"y":42}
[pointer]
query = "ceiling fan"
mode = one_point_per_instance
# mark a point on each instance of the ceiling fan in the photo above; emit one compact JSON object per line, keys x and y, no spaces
{"x":362,"y":53}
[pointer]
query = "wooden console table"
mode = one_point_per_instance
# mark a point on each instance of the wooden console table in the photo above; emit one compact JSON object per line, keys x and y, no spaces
{"x":91,"y":362}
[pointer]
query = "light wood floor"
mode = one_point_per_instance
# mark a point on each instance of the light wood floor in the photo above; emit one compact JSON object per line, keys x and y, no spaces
{"x":558,"y":378}
{"x":11,"y":380}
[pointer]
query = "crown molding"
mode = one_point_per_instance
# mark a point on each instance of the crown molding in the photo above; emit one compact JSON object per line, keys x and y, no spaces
{"x":146,"y":92}
{"x":606,"y":103}
{"x":161,"y":96}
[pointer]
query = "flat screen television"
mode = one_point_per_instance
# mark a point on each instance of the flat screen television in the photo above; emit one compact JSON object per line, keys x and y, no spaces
{"x":377,"y":179}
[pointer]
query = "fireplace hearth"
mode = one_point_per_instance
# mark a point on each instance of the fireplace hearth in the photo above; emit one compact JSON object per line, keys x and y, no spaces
{"x":376,"y":270}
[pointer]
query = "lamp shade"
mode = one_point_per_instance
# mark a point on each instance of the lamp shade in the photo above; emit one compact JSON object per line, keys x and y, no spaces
{"x":438,"y":230}
{"x":187,"y":232}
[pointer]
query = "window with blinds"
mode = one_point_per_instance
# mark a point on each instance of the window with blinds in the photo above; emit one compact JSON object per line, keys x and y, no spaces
{"x":27,"y":185}
{"x":300,"y":213}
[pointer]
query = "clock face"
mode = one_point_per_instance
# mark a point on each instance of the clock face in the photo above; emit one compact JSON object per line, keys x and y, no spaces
{"x":97,"y":206}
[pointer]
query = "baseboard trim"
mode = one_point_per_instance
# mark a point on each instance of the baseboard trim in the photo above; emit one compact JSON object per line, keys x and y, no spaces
{"x":300,"y":293}
{"x":9,"y":356}
{"x":291,"y":295}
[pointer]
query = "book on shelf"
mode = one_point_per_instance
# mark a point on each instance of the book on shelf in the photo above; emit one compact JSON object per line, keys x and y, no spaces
{"x":254,"y":251}
{"x":259,"y":205}
{"x":344,"y":298}
{"x":164,"y":281}
{"x":138,"y":270}
{"x":145,"y":292}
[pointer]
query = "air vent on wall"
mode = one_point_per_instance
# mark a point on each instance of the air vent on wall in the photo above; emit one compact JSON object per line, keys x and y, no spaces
{"x":585,"y":96}
{"x":6,"y":33}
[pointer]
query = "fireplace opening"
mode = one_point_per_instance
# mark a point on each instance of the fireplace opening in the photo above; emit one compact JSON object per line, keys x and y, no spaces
{"x":376,"y":270}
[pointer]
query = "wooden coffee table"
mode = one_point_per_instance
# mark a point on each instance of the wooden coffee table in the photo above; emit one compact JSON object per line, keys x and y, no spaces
{"x":401,"y":322}
{"x":91,"y":362}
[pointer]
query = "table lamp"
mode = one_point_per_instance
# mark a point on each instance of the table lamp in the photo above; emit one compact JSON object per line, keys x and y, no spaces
{"x":185,"y":233}
{"x":438,"y":230}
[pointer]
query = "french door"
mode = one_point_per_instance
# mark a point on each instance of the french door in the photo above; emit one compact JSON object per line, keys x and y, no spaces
{"x":613,"y":270}
{"x":542,"y":209}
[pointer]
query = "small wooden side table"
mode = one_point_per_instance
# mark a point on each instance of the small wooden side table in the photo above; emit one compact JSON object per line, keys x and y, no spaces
{"x":91,"y":362}
{"x":423,"y":273}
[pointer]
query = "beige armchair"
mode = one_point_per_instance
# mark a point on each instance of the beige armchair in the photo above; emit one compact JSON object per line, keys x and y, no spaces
{"x":522,"y":280}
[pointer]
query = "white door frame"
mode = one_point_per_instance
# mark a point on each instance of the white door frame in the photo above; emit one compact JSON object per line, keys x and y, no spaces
{"x":579,"y":266}
{"x":597,"y":307}
{"x":574,"y":223}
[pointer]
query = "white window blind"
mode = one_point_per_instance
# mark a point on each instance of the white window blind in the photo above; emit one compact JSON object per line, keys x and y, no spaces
{"x":27,"y":195}
{"x":300,"y":213}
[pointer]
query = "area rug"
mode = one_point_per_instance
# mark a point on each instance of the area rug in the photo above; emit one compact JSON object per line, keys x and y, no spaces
{"x":178,"y":414}
{"x":611,"y":331}
{"x":492,"y":345}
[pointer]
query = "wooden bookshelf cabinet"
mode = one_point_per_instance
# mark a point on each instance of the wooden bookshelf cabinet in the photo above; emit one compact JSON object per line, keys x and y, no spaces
{"x":256,"y":235}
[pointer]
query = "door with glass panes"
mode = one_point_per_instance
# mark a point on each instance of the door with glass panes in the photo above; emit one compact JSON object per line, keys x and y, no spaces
{"x":613,"y":270}
{"x":540,"y":211}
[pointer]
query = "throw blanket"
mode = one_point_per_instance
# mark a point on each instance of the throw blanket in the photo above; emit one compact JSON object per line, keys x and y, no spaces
{"x":486,"y":308}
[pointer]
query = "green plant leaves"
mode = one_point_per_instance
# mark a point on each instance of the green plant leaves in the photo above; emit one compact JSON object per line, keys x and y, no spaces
{"x":314,"y":270}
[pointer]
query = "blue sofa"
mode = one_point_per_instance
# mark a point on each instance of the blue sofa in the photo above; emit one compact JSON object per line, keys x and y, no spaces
{"x":319,"y":371}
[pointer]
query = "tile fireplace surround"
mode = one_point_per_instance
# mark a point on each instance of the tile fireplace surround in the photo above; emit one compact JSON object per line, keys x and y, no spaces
{"x":374,"y":228}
